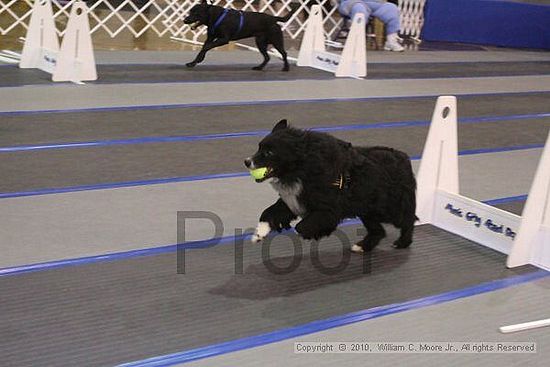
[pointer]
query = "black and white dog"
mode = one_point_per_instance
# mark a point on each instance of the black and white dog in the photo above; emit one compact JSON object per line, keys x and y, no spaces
{"x":323,"y":180}
{"x":225,"y":25}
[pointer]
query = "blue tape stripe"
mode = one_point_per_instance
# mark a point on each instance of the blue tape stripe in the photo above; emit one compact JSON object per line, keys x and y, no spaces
{"x":468,"y":120}
{"x":254,"y":103}
{"x":333,"y":322}
{"x":489,"y":150}
{"x":270,"y":78}
{"x":506,"y":200}
{"x":115,"y":185}
{"x":147,"y":140}
{"x":50,"y":265}
{"x":233,"y":135}
{"x":192,"y":245}
{"x":105,"y":186}
{"x":323,"y":77}
{"x":497,"y":150}
{"x":171,"y":248}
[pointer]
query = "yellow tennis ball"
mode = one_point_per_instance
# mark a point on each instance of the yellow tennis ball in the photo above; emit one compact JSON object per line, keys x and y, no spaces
{"x":258,"y":173}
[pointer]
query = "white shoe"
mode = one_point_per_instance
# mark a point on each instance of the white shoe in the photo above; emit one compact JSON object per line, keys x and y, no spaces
{"x":392,"y":43}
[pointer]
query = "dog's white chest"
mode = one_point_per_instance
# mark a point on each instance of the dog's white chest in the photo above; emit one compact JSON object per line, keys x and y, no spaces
{"x":289,"y":194}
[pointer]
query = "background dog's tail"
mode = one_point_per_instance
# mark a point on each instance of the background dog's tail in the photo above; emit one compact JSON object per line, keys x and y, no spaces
{"x":293,"y":8}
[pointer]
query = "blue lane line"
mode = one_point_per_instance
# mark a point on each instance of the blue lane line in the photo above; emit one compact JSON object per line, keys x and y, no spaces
{"x":312,"y":78}
{"x":192,"y":245}
{"x":219,"y":81}
{"x":254,"y":103}
{"x":50,"y":265}
{"x":506,"y":200}
{"x":147,"y":140}
{"x":105,"y":186}
{"x":333,"y":322}
{"x":232,"y":135}
{"x":115,"y":185}
{"x":469,"y":120}
{"x":171,"y":248}
{"x":299,"y":79}
{"x":496,"y":150}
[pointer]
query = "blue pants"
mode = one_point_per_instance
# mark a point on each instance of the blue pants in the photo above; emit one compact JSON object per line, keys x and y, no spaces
{"x":386,"y":12}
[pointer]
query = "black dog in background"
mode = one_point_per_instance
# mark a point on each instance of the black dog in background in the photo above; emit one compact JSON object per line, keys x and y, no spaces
{"x":225,"y":25}
{"x":323,"y":180}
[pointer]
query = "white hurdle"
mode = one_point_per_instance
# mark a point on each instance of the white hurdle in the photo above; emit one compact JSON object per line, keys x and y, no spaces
{"x":526,"y":239}
{"x":74,"y":61}
{"x":41,"y":43}
{"x":532,"y":245}
{"x":353,"y":60}
{"x":10,"y":57}
{"x":438,"y":198}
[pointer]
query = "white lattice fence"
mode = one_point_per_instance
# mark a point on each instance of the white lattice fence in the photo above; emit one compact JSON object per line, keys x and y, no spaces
{"x":165,"y":17}
{"x":412,"y":16}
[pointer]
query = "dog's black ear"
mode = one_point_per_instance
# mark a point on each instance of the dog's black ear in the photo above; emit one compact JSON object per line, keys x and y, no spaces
{"x":204,"y":2}
{"x":283,"y":124}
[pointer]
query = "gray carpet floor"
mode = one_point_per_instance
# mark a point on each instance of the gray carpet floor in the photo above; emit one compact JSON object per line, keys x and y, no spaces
{"x":472,"y":320}
{"x":13,"y":76}
{"x":31,"y":170}
{"x":113,"y":312}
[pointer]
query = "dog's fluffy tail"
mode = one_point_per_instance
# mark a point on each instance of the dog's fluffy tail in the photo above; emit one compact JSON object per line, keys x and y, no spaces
{"x":285,"y":19}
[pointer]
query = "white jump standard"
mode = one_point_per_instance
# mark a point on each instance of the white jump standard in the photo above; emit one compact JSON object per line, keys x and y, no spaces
{"x":438,"y":198}
{"x":353,"y":60}
{"x":526,"y":239}
{"x":74,"y":61}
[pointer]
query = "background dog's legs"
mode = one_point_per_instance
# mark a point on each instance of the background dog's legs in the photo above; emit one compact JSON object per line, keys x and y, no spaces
{"x":375,"y":233}
{"x":205,"y":48}
{"x":278,"y":42}
{"x":316,"y":225}
{"x":261,"y":43}
{"x":407,"y":229}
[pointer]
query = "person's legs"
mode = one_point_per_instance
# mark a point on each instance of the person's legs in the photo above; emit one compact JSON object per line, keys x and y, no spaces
{"x":360,"y":8}
{"x":349,"y":8}
{"x":389,"y":14}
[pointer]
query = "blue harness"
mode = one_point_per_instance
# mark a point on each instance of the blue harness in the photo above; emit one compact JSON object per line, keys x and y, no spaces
{"x":222,"y":17}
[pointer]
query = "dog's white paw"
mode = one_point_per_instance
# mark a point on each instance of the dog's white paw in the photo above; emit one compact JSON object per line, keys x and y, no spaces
{"x":357,"y":248}
{"x":261,"y":232}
